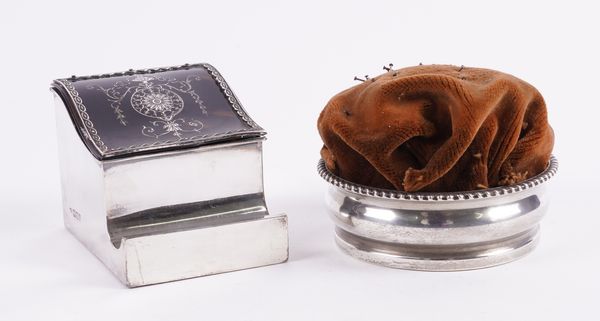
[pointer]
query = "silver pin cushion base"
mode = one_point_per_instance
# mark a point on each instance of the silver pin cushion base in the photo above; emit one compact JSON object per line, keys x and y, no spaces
{"x":437,"y":231}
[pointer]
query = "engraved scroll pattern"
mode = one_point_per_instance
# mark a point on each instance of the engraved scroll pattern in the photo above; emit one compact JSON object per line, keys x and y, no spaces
{"x":156,"y":97}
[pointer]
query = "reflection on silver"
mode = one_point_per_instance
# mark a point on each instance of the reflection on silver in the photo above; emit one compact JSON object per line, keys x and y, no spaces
{"x":437,"y":231}
{"x":172,"y":215}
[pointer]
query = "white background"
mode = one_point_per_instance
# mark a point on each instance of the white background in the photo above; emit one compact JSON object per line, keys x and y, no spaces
{"x":285,"y":60}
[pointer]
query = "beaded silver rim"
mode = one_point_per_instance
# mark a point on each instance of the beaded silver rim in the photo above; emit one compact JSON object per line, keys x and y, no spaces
{"x":547,"y":174}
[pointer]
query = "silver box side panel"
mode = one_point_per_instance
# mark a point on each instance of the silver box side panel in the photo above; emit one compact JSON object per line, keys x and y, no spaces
{"x":83,"y":193}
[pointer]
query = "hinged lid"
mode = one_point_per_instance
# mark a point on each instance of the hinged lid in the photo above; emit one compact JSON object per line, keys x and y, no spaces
{"x":152,"y":110}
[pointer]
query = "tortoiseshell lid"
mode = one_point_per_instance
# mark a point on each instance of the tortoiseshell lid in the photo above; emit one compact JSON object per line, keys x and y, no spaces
{"x":153,"y":110}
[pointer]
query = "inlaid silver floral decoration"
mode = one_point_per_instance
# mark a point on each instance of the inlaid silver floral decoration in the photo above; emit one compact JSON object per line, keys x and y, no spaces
{"x":156,"y":97}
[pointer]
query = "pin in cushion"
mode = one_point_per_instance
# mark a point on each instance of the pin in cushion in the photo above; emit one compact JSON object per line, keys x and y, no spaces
{"x":437,"y":167}
{"x":161,"y":174}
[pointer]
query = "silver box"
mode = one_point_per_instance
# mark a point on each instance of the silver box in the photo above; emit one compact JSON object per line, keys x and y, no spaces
{"x":161,"y":174}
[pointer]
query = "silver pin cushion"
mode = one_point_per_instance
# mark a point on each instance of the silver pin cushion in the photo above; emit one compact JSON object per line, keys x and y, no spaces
{"x":437,"y":231}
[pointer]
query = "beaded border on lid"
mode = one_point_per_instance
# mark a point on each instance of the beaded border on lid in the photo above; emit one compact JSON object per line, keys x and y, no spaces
{"x":90,"y":133}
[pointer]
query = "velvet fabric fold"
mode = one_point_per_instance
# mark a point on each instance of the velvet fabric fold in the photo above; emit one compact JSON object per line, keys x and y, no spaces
{"x":437,"y":128}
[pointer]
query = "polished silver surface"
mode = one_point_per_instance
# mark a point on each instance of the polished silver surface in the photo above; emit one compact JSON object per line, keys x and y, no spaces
{"x":172,"y":215}
{"x":437,"y":231}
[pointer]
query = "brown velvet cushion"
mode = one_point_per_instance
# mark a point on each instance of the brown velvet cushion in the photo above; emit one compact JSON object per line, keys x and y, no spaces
{"x":437,"y":128}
